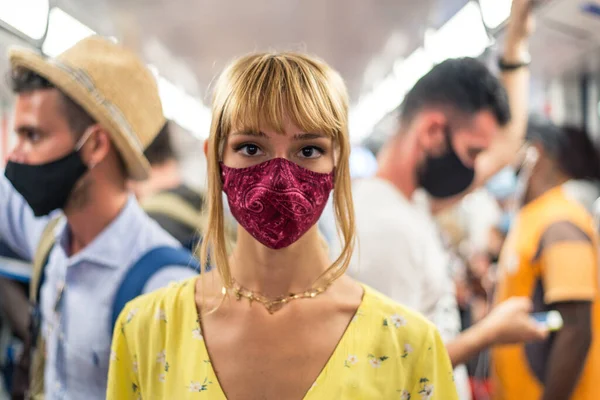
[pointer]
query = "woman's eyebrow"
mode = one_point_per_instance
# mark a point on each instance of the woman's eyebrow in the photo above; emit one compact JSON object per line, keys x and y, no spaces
{"x":309,"y":136}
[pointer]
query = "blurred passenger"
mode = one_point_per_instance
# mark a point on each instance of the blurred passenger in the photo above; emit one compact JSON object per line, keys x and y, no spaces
{"x":455,"y":132}
{"x":362,"y":164}
{"x":502,"y":187}
{"x":584,"y":191}
{"x":178,"y":208}
{"x":82,"y":122}
{"x":277,"y":319}
{"x":551,"y":256}
{"x":496,"y":239}
{"x":14,"y":312}
{"x":13,"y":298}
{"x":165,"y":197}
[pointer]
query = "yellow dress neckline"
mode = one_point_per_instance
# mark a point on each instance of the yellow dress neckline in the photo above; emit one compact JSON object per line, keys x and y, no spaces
{"x":190,"y":298}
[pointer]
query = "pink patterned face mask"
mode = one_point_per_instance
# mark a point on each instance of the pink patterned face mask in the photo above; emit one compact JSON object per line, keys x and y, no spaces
{"x":276,"y":201}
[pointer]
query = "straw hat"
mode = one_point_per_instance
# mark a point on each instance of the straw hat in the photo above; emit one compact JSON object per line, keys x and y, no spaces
{"x":113,"y":85}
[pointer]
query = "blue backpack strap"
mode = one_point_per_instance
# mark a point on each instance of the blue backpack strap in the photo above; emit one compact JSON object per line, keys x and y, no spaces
{"x":150,"y":263}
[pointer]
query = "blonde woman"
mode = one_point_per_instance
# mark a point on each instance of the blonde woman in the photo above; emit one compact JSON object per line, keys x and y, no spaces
{"x":275,"y":320}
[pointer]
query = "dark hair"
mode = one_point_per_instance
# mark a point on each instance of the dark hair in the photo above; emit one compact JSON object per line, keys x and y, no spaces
{"x":570,"y":146}
{"x":464,"y":85}
{"x":161,"y":149}
{"x":24,"y":81}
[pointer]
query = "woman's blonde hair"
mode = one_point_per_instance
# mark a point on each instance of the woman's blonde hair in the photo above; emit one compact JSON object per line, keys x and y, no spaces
{"x":263,"y":90}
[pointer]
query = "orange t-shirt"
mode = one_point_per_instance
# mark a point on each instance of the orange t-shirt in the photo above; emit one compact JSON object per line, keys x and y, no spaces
{"x":549,"y":271}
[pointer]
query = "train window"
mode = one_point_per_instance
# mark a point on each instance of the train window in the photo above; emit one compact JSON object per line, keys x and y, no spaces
{"x":494,"y":12}
{"x":63,"y":32}
{"x":27,"y":17}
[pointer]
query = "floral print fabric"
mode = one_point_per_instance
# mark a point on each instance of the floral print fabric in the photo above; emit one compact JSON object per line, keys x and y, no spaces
{"x":387,"y":352}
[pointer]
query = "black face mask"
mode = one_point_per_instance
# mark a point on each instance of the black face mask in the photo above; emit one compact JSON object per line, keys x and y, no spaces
{"x":446,"y":175}
{"x":47,"y":187}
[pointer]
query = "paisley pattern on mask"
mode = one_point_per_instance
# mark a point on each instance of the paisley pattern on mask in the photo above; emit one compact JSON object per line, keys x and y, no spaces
{"x":276,"y":201}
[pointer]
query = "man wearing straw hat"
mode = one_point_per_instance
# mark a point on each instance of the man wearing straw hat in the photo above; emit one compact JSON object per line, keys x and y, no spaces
{"x":82,"y":122}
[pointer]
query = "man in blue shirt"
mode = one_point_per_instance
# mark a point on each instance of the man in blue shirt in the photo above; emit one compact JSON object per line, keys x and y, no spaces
{"x":82,"y":122}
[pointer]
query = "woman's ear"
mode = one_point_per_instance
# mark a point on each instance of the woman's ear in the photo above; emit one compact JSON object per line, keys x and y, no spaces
{"x":206,"y":147}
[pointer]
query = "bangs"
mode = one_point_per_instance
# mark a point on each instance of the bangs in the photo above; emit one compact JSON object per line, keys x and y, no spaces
{"x":266,"y":90}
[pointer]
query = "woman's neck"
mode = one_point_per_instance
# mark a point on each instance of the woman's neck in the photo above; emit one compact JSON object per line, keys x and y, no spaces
{"x":542,"y":186}
{"x":274,"y":273}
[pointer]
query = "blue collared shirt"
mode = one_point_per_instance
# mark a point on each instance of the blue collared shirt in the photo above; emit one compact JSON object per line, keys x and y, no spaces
{"x":77,"y":332}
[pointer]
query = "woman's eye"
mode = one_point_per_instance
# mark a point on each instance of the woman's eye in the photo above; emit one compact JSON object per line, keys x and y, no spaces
{"x":250,"y":150}
{"x":311,"y":152}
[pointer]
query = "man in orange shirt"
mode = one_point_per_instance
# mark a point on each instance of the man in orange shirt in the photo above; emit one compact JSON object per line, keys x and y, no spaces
{"x":551,"y":255}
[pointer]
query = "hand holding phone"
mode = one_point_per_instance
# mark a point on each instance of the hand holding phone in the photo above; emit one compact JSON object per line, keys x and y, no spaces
{"x":552,"y":320}
{"x":511,"y":322}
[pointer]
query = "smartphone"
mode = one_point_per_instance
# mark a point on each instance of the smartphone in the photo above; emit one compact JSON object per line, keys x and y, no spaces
{"x":551,"y":319}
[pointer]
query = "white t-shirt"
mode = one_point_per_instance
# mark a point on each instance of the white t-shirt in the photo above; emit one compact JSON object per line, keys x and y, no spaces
{"x":401,"y":254}
{"x":584,"y":191}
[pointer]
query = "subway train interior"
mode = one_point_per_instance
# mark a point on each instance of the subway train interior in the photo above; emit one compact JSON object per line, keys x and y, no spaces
{"x":460,"y":155}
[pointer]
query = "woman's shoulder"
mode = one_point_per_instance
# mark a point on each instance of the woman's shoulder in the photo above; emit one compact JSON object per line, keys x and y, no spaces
{"x":164,"y":304}
{"x":382,"y":305}
{"x":404,"y":341}
{"x":397,"y":320}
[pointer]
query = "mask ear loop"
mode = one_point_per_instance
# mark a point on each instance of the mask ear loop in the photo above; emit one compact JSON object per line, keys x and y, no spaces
{"x":81,"y":142}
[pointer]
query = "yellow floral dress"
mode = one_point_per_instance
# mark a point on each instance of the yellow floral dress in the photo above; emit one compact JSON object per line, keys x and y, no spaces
{"x":387,"y":352}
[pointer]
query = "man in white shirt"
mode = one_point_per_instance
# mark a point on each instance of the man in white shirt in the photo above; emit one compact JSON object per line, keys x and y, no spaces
{"x":455,"y":132}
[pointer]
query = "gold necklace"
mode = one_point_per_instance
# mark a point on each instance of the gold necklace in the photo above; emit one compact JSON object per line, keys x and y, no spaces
{"x":276,"y":304}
